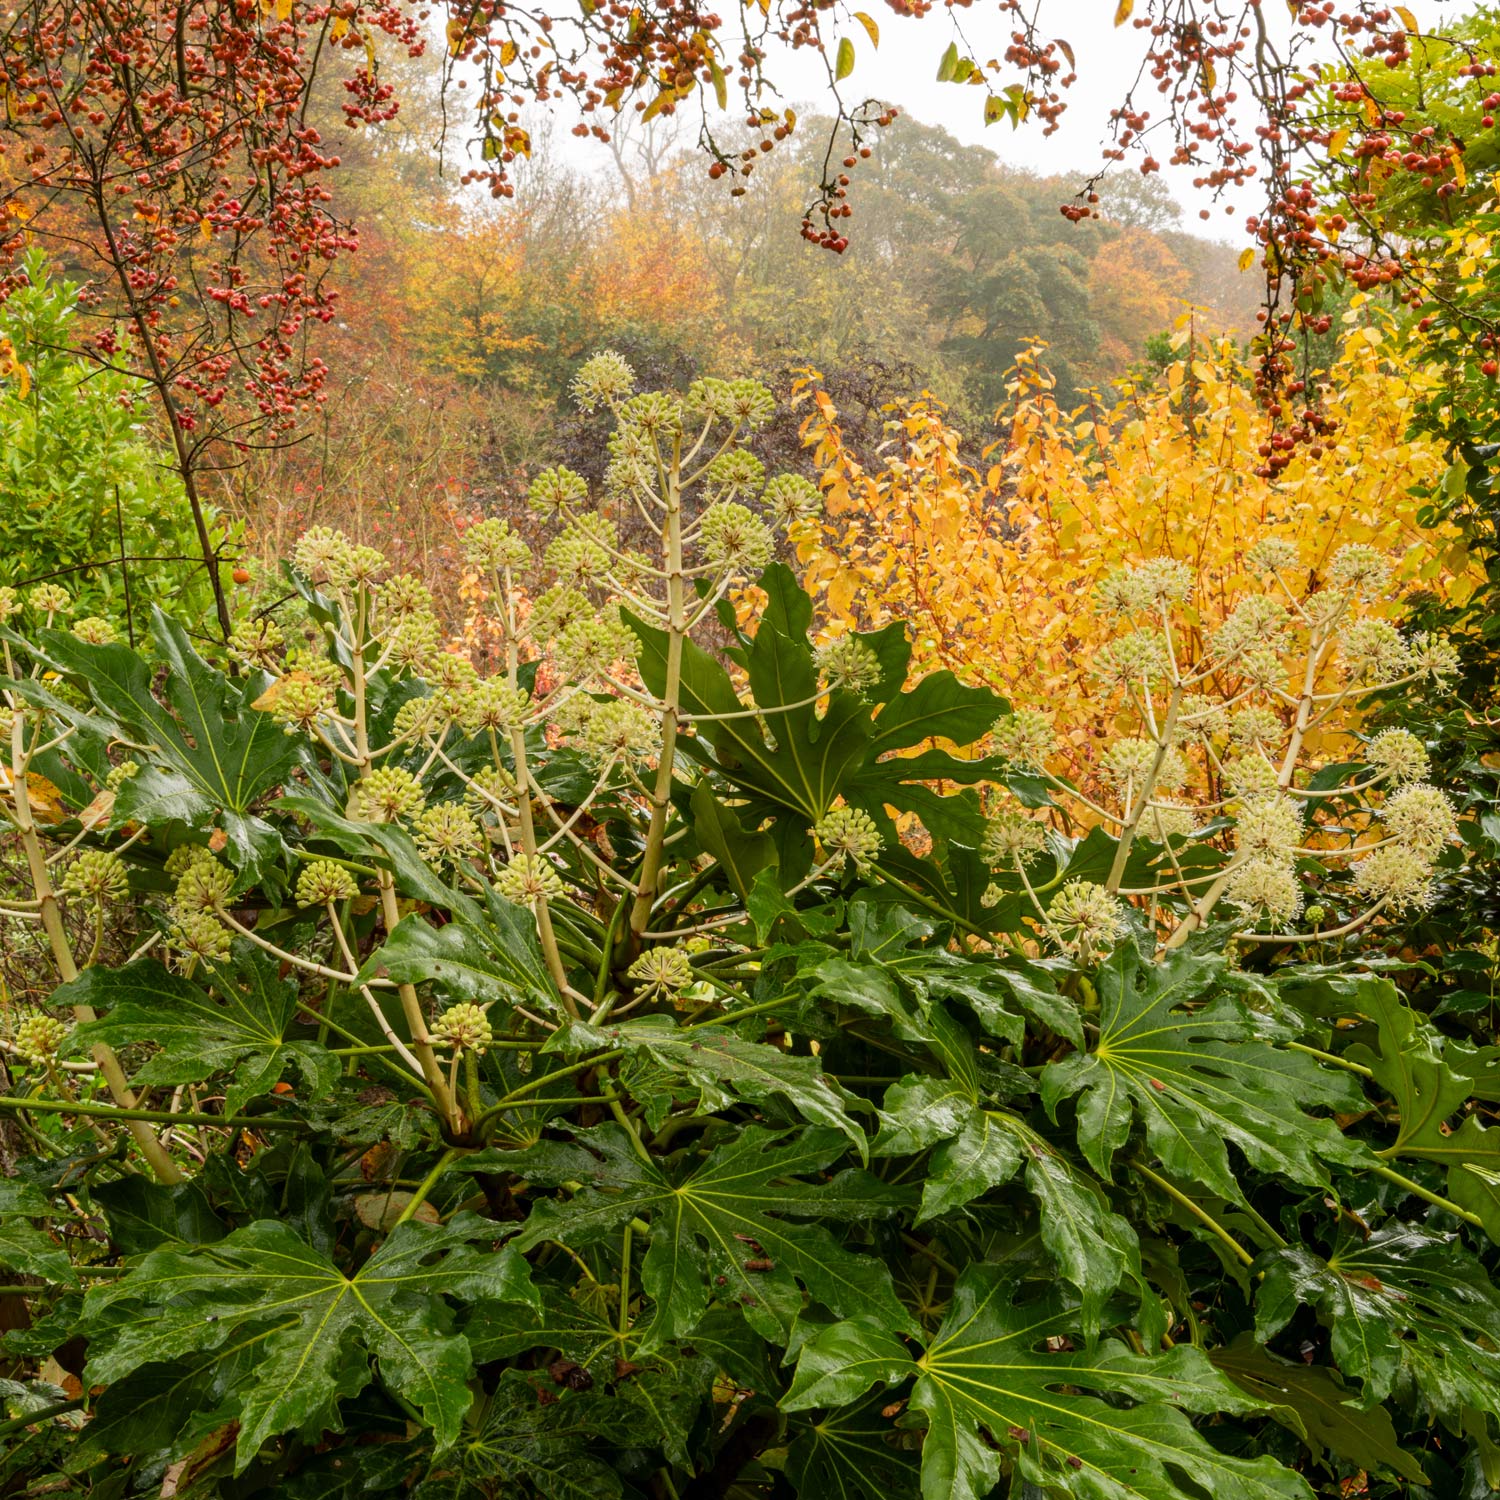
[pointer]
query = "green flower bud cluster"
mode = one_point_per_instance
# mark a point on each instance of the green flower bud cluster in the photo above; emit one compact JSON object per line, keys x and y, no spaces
{"x":581,"y":554}
{"x":849,"y":834}
{"x":389,"y":794}
{"x":493,"y":545}
{"x":1024,"y":738}
{"x":1154,"y":585}
{"x":1128,"y":763}
{"x":1373,"y":651}
{"x":492,"y":703}
{"x":50,"y":599}
{"x":529,"y":878}
{"x":39,"y":1038}
{"x":95,"y":631}
{"x":1249,"y":776}
{"x":415,"y":642}
{"x":1272,"y":554}
{"x":618,"y":729}
{"x":1398,"y":755}
{"x":257,"y":641}
{"x":405,"y":595}
{"x":846,"y":662}
{"x":120,"y":774}
{"x":1201,"y":720}
{"x":203,"y":884}
{"x":1256,"y":729}
{"x":1131,"y":659}
{"x":1360,"y":571}
{"x":1262,"y":669}
{"x":734,"y":538}
{"x":446,"y":833}
{"x":324,"y":883}
{"x":1012,"y":837}
{"x":632,"y":461}
{"x":97,"y":875}
{"x":555,"y":610}
{"x":1421,"y":818}
{"x":789,"y":499}
{"x":202,"y":892}
{"x":1086,"y":920}
{"x":491,"y":785}
{"x":1266,"y":891}
{"x":735,"y":473}
{"x":1432,"y":656}
{"x":746,"y":401}
{"x":465,"y":1028}
{"x":297,"y":701}
{"x":553,"y":492}
{"x":1396,"y":875}
{"x":654,"y":414}
{"x":328,"y":556}
{"x":662,"y":973}
{"x":587,"y":649}
{"x":1168,"y":820}
{"x":1258,"y":620}
{"x":604,"y":380}
{"x":1269,"y":827}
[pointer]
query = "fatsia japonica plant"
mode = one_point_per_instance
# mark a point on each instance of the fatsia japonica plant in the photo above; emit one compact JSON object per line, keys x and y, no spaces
{"x":650,"y":1070}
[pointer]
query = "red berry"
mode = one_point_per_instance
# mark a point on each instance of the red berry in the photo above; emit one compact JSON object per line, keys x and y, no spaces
{"x":240,"y":575}
{"x":1490,"y":368}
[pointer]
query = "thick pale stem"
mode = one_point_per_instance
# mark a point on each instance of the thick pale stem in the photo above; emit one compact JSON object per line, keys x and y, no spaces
{"x":1127,"y":834}
{"x":390,"y":914}
{"x":62,"y":954}
{"x":677,"y":627}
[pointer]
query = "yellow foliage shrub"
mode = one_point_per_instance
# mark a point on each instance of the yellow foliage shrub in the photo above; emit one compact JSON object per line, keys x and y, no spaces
{"x":995,"y":568}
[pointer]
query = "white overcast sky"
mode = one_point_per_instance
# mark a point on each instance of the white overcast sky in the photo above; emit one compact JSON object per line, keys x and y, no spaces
{"x":903,"y":72}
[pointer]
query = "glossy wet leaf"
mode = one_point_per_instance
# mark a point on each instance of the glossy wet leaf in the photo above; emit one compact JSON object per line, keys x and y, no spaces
{"x":323,"y":1334}
{"x":723,"y":1230}
{"x":1005,"y":1382}
{"x":1191,"y":1064}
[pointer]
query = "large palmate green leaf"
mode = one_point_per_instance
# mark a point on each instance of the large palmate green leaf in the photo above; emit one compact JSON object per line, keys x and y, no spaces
{"x":854,"y":1453}
{"x":316,"y":1327}
{"x":485,"y":957}
{"x":891,"y":945}
{"x":978,"y":1149}
{"x":584,"y":1330}
{"x":1405,"y":1308}
{"x":793,"y":760}
{"x":561,"y":1443}
{"x":211,"y":754}
{"x":1201,"y":1071}
{"x":24,"y":1247}
{"x":1314,"y":1403}
{"x":237,"y":1026}
{"x":716,"y":1230}
{"x":1003,"y":1382}
{"x":1411,"y":1062}
{"x":718,"y":1066}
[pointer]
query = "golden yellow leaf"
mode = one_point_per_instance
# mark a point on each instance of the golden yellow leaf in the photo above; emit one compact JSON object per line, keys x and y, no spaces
{"x":871,"y":29}
{"x":1123,"y":10}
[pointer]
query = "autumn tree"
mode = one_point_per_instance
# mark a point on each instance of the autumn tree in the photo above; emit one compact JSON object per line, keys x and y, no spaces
{"x":995,"y":564}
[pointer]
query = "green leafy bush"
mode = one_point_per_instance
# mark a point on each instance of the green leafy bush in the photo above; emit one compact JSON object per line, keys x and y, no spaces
{"x":641,"y":1073}
{"x":81,"y":480}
